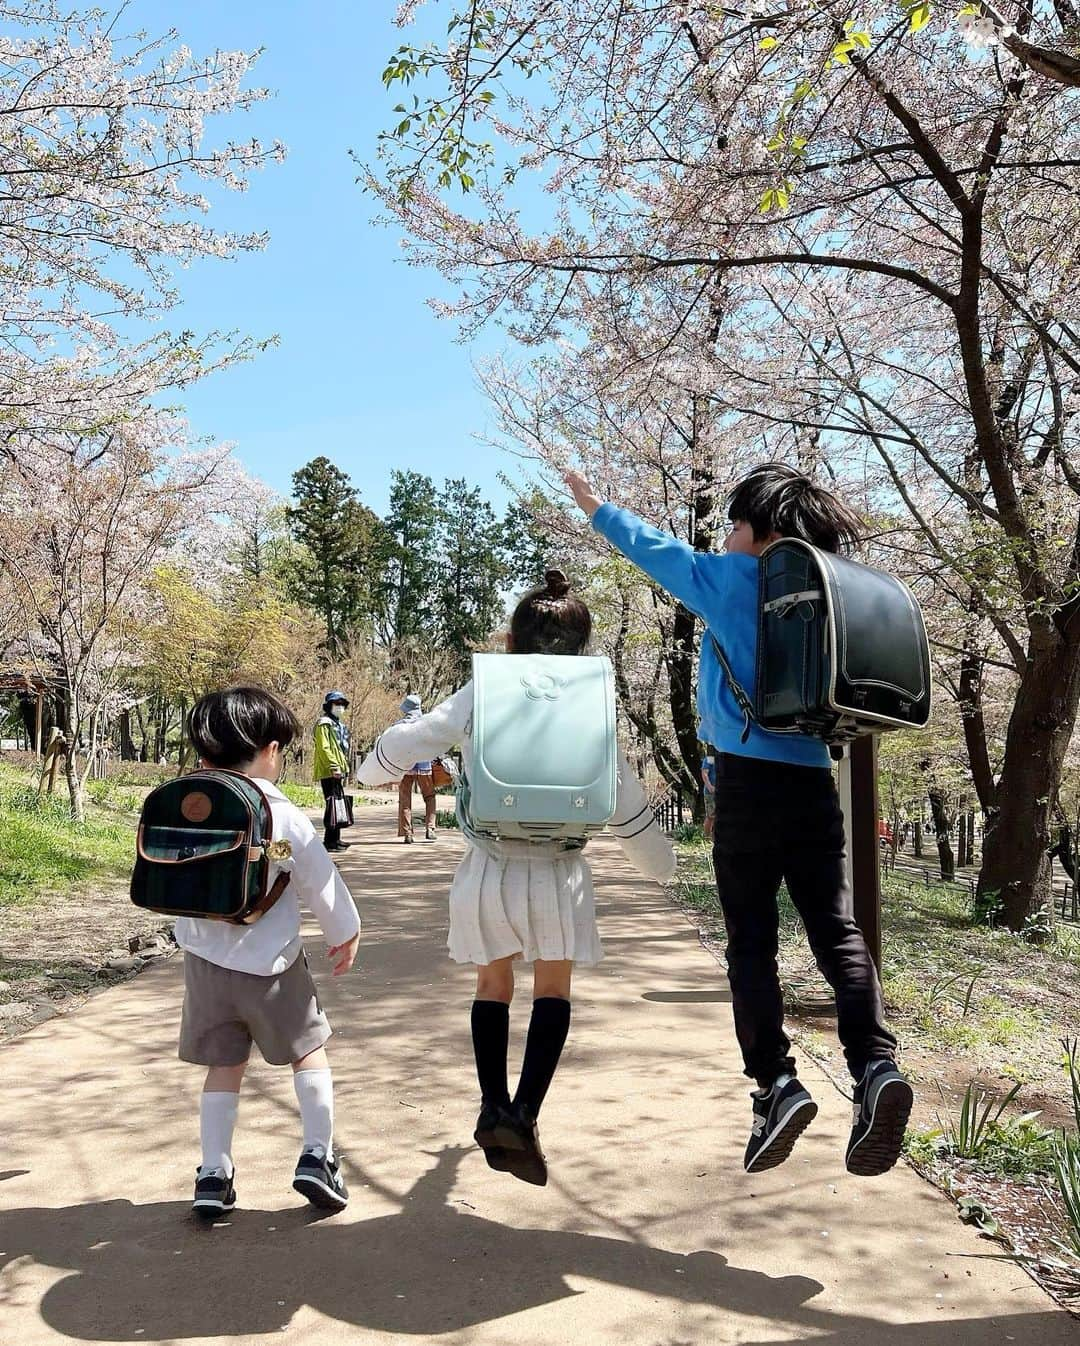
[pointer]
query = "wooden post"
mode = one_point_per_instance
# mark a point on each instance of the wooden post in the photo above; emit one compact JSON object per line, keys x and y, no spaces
{"x":858,"y":786}
{"x":39,"y":720}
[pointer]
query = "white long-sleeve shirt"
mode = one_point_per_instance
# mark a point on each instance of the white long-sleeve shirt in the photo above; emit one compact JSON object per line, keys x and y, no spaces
{"x":429,"y":736}
{"x":272,"y":943}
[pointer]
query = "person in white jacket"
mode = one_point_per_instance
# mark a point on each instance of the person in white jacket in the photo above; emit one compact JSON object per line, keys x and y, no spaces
{"x":250,"y":984}
{"x":523,"y":900}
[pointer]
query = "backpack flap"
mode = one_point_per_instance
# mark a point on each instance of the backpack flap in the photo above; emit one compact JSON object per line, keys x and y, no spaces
{"x":880,"y":665}
{"x":544,"y":746}
{"x":842,"y":649}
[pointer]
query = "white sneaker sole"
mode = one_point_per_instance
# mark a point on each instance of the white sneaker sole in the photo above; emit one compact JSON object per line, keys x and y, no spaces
{"x":782,"y":1141}
{"x":208,"y":1206}
{"x":318,"y":1192}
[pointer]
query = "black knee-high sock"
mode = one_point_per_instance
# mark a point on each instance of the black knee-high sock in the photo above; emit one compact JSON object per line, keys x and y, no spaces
{"x":548,"y":1028}
{"x":491,"y":1036}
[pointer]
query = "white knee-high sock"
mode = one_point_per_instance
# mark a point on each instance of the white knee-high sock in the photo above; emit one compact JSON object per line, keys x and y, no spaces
{"x":315,"y":1093}
{"x":217,"y":1120}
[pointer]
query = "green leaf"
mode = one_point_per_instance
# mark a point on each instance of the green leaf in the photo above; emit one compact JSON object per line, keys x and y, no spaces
{"x":767,"y":43}
{"x":768,"y":200}
{"x":920,"y":13}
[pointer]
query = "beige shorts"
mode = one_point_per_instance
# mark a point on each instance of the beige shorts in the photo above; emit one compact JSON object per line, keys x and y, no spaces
{"x":225,"y":1011}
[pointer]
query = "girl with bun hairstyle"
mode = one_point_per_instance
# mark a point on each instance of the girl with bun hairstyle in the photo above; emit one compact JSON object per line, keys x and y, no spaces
{"x":524,"y":900}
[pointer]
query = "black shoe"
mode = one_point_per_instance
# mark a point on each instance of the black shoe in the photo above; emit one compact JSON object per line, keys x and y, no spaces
{"x":319,"y":1179}
{"x":407,"y":840}
{"x":214,"y":1193}
{"x":780,"y":1118}
{"x":484,"y":1135}
{"x":883,"y":1100}
{"x":430,"y":836}
{"x":517,"y":1133}
{"x":341,"y":846}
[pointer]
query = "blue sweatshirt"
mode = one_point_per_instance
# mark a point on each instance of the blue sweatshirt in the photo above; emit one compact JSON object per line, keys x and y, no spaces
{"x":721,"y":589}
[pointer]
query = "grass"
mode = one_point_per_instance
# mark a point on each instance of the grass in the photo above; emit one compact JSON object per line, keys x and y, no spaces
{"x":42,"y":850}
{"x":303,"y":796}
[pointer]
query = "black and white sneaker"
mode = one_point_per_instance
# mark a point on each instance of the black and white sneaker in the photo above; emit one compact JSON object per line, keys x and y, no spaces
{"x":883,"y":1100}
{"x":215,"y":1193}
{"x":780,"y":1118}
{"x":318,"y":1178}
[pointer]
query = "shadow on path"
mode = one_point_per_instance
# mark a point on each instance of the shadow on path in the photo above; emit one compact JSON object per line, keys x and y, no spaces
{"x":150,"y":1271}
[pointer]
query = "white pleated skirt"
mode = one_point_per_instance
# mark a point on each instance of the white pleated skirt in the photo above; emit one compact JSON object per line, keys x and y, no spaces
{"x":518,"y":903}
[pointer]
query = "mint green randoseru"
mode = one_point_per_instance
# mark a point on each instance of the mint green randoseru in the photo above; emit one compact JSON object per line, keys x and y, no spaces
{"x":544,"y":746}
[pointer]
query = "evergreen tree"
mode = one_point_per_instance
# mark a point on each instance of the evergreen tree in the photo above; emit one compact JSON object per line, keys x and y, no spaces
{"x":412,"y":528}
{"x":472,"y":571}
{"x":527,"y":548}
{"x":344,"y":543}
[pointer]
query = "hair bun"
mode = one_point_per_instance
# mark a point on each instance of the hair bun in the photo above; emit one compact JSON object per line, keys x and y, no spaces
{"x":557,"y":583}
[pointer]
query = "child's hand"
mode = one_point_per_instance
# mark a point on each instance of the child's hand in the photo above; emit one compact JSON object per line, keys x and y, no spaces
{"x":583,"y":493}
{"x":345,"y":954}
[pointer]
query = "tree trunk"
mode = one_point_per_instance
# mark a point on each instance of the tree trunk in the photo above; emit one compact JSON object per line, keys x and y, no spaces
{"x":161,"y":709}
{"x":76,"y":793}
{"x":127,"y":743}
{"x":939,"y":807}
{"x":916,"y":837}
{"x":1016,"y":839}
{"x":683,"y":710}
{"x":963,"y":842}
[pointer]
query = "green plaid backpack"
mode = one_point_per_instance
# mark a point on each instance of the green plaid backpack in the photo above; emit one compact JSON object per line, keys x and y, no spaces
{"x":205,"y":849}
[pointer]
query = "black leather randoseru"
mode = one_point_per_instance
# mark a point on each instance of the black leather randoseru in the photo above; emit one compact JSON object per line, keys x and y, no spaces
{"x":842,"y":649}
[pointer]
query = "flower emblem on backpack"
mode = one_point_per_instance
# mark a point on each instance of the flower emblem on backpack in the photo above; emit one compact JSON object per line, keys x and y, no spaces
{"x":543,"y":686}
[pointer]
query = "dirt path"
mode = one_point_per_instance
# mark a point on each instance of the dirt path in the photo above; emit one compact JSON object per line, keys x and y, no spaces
{"x":649,"y":1234}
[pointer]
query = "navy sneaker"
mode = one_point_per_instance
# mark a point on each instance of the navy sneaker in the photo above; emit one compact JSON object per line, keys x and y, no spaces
{"x":484,"y":1135}
{"x":318,"y":1178}
{"x":519,"y":1137}
{"x":215,"y":1193}
{"x":780,"y":1118}
{"x":883,"y":1100}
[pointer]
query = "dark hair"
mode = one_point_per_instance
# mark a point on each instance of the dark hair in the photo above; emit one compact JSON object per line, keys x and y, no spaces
{"x":550,"y":619}
{"x":230,"y":727}
{"x":775,"y":498}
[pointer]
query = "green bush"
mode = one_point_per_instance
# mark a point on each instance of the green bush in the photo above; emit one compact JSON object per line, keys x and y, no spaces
{"x":446,"y":818}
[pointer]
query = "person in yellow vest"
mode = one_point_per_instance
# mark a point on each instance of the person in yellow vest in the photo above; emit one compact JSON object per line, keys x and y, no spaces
{"x":331,"y":765}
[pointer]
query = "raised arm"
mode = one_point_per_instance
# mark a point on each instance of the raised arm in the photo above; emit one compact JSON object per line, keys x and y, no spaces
{"x":673,"y":564}
{"x":420,"y":740}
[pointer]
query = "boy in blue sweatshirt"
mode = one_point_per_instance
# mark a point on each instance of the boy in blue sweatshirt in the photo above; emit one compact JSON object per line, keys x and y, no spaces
{"x":778,"y":818}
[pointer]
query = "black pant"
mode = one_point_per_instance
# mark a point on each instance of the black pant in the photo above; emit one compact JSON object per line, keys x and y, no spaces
{"x":332,"y":787}
{"x":777,"y":822}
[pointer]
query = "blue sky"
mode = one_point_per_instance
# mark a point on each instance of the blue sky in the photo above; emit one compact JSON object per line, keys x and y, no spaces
{"x":364,"y":372}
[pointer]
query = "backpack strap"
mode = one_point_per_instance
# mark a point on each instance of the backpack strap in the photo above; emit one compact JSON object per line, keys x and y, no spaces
{"x":266,"y":901}
{"x":737,"y":690}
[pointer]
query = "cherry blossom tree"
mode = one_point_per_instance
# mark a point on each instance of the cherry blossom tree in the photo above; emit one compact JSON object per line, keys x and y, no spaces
{"x":76,"y":551}
{"x":867,"y":223}
{"x":105,"y":171}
